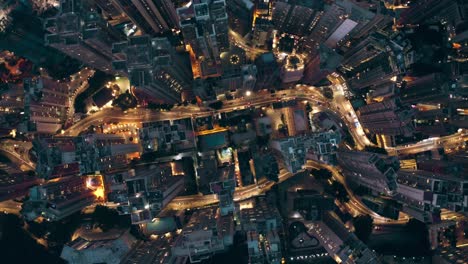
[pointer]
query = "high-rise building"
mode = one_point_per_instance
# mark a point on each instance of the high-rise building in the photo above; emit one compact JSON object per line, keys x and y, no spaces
{"x":267,"y":71}
{"x":204,"y":25}
{"x":378,"y":70}
{"x":293,"y":19}
{"x":365,"y":50}
{"x":262,"y":32}
{"x":240,"y":14}
{"x":341,"y":32}
{"x":46,"y":103}
{"x":341,"y":244}
{"x":292,"y":69}
{"x":330,"y":19}
{"x":423,"y":193}
{"x":57,"y":199}
{"x":108,"y":8}
{"x":205,"y":234}
{"x":153,"y":67}
{"x":321,"y":64}
{"x":317,"y":146}
{"x":150,"y":16}
{"x":432,"y":88}
{"x":373,"y":171}
{"x":81,"y":33}
{"x":143,"y":192}
{"x":64,"y":156}
{"x":448,"y":11}
{"x":99,"y":248}
{"x":388,"y":117}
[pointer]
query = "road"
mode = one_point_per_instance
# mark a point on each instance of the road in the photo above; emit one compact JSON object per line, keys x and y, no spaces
{"x":355,"y":205}
{"x":240,"y":194}
{"x":18,"y":152}
{"x":10,"y":207}
{"x":339,"y":105}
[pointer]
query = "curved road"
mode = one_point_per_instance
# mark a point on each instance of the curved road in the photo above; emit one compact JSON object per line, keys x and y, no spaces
{"x":339,"y":105}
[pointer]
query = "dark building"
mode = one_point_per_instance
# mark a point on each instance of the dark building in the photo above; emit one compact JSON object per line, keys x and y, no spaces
{"x":150,"y":16}
{"x":81,"y":33}
{"x":153,"y":67}
{"x":240,"y":15}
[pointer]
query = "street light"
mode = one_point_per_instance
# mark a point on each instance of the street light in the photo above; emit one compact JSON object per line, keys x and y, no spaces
{"x":248,"y":93}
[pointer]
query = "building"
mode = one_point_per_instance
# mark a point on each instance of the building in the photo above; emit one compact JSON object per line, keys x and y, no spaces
{"x":263,"y":217}
{"x":329,"y":20}
{"x":150,"y":16}
{"x":262,"y":32}
{"x":205,"y":234}
{"x":424,"y":193}
{"x":432,"y":11}
{"x":57,"y":199}
{"x":340,"y":33}
{"x":340,"y":243}
{"x":64,"y":156}
{"x":432,"y":88}
{"x":294,"y":19}
{"x":268,"y":71}
{"x":238,"y":77}
{"x":388,"y":117}
{"x":98,"y":250}
{"x":169,"y":136}
{"x":224,"y":191}
{"x":82,"y":34}
{"x":319,"y":66}
{"x":373,"y":171}
{"x":46,"y":105}
{"x":318,"y":146}
{"x":15,"y":183}
{"x":373,"y":72}
{"x":240,"y":15}
{"x":108,"y":8}
{"x":382,"y":92}
{"x":256,"y":255}
{"x":144,"y":192}
{"x":308,"y":204}
{"x":292,"y":69}
{"x":12,"y":98}
{"x":153,"y":67}
{"x":204,"y":25}
{"x":364,"y":50}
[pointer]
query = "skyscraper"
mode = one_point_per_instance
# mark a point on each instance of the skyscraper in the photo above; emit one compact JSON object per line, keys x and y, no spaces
{"x":151,"y":16}
{"x":373,"y":171}
{"x":240,"y":14}
{"x":153,"y":67}
{"x":294,"y":19}
{"x":388,"y":117}
{"x":204,"y":25}
{"x":81,"y":33}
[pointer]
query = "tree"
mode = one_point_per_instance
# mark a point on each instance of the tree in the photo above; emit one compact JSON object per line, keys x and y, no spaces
{"x":105,"y":217}
{"x":125,"y":101}
{"x":363,"y":225}
{"x":339,"y":192}
{"x":262,"y":141}
{"x":327,"y":92}
{"x":271,"y":168}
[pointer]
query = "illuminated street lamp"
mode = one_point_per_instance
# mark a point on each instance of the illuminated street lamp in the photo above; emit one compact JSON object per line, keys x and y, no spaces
{"x":248,"y":93}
